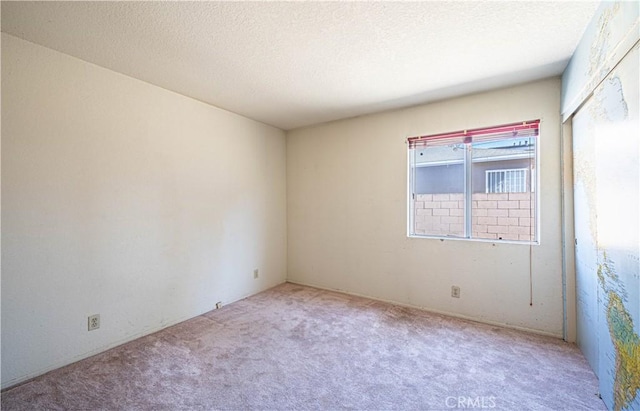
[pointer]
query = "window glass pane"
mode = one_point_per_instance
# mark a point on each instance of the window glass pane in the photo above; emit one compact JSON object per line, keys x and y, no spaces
{"x":439,"y":190}
{"x":503,"y":202}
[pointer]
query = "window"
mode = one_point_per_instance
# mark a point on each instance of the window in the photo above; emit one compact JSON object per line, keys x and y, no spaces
{"x":475,"y":184}
{"x":506,"y":181}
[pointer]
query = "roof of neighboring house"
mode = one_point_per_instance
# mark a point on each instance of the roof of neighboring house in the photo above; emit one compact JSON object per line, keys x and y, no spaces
{"x":442,"y":155}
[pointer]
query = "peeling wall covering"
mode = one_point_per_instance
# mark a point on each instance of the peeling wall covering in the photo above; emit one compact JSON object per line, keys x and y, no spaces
{"x":611,"y":34}
{"x":606,"y":158}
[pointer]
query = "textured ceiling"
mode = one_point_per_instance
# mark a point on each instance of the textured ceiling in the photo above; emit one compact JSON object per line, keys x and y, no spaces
{"x":292,"y":64}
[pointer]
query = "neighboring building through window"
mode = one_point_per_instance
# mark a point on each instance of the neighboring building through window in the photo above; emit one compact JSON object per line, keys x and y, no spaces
{"x":477,"y":184}
{"x":506,"y":181}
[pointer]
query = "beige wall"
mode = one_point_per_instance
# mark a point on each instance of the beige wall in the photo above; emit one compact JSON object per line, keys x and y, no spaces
{"x":147,"y":207}
{"x":347,"y":214}
{"x":127,"y":200}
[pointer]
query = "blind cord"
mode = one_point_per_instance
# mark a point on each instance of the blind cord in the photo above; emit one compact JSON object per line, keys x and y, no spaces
{"x":531,"y":275}
{"x":531,"y":227}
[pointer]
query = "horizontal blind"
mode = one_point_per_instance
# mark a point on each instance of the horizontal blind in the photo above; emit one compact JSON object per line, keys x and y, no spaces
{"x":522,"y":129}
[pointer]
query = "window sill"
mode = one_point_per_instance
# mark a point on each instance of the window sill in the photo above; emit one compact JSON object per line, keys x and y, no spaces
{"x":475,"y":240}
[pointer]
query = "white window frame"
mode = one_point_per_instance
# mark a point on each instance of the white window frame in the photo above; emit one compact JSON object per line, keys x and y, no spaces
{"x":534,"y":197}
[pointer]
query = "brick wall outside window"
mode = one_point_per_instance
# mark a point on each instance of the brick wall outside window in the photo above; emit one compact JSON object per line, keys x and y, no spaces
{"x":499,"y":216}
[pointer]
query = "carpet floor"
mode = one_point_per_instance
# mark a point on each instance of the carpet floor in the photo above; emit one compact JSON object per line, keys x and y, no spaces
{"x":296,"y":347}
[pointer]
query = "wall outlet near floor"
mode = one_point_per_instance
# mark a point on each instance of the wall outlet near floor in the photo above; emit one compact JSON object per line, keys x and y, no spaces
{"x":256,"y":274}
{"x":94,"y":322}
{"x":455,"y":291}
{"x":218,"y":305}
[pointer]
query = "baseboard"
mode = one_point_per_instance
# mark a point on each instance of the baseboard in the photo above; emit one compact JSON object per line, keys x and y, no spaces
{"x":26,"y":378}
{"x":432,"y":310}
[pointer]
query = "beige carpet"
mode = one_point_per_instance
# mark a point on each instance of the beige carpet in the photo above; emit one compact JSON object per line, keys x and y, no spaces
{"x":295,"y":347}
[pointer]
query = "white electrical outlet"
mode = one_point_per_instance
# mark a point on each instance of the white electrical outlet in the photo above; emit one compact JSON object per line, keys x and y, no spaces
{"x":455,"y":291}
{"x":94,"y":322}
{"x":256,"y":274}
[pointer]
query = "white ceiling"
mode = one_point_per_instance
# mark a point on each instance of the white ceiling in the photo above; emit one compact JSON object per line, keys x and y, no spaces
{"x":292,"y":64}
